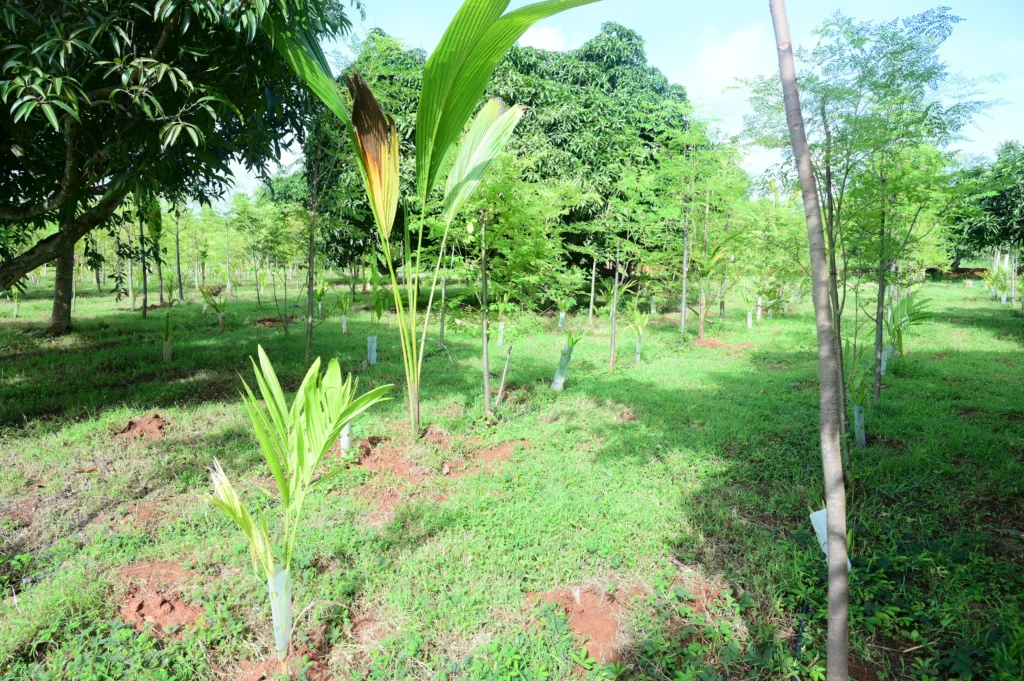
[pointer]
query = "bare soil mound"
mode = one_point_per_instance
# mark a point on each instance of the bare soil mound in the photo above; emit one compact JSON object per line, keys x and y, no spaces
{"x":594,"y":616}
{"x":148,"y":427}
{"x":151,"y":600}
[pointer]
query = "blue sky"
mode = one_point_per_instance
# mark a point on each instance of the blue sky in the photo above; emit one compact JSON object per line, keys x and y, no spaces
{"x":705,"y":46}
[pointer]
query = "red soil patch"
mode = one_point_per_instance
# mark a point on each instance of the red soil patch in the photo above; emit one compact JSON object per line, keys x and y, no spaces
{"x":593,"y":616}
{"x":715,"y":344}
{"x":151,"y":514}
{"x":151,"y":602}
{"x":375,"y":458}
{"x":502,"y":452}
{"x":385,"y":503}
{"x":23,"y":513}
{"x":305,"y":660}
{"x":366,"y":630}
{"x":148,"y":427}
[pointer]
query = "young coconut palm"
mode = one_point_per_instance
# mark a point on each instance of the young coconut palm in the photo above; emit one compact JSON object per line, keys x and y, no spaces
{"x":910,"y":311}
{"x":562,"y":372}
{"x":319,"y":295}
{"x":219,"y":305}
{"x":639,"y":325}
{"x":167,"y":335}
{"x":454,"y":78}
{"x":293,"y":441}
{"x":344,"y":305}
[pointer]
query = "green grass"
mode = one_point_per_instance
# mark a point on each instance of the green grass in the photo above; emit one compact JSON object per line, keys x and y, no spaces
{"x":689,"y":478}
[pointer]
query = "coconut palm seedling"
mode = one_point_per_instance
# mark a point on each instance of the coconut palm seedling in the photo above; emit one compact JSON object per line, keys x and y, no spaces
{"x":562,"y":371}
{"x":639,"y":325}
{"x":454,"y":79}
{"x":857,"y":382}
{"x":564,"y":305}
{"x":344,"y":305}
{"x":911,"y":311}
{"x":380,"y":304}
{"x":167,"y":335}
{"x":15,"y":294}
{"x":319,"y":294}
{"x":219,"y":305}
{"x":503,"y":308}
{"x":293,"y":441}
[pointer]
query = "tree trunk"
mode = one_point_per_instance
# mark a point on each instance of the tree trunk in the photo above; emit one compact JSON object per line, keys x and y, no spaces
{"x":142,"y":255}
{"x":310,"y":281}
{"x":686,"y":273}
{"x":615,"y":312}
{"x":880,"y":305}
{"x":593,"y":290}
{"x":131,"y":271}
{"x":483,"y":316}
{"x":160,"y":275}
{"x":177,"y":257}
{"x":831,"y":454}
{"x":227,"y":256}
{"x":63,"y":292}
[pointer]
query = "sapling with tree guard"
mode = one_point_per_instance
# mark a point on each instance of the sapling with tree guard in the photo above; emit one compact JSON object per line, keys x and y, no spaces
{"x":639,"y":325}
{"x":293,"y":441}
{"x":563,"y":363}
{"x":376,"y":314}
{"x":344,"y":305}
{"x":167,"y":335}
{"x":15,"y":293}
{"x":219,"y":306}
{"x":319,"y":294}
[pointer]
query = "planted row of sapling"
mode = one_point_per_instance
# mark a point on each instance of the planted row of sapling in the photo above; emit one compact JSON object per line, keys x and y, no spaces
{"x":910,"y":311}
{"x":1001,"y":284}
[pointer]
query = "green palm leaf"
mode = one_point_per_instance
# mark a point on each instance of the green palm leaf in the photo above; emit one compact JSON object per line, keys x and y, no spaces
{"x":457,"y":72}
{"x":484,"y":141}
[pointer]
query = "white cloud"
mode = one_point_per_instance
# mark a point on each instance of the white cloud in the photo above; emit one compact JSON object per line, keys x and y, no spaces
{"x":722,"y":58}
{"x":711,"y":79}
{"x":551,"y":37}
{"x":544,"y":38}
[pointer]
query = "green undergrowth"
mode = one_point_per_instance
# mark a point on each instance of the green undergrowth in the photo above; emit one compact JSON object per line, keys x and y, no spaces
{"x":686,"y":481}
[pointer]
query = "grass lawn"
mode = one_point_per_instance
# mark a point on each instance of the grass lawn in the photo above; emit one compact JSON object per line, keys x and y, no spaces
{"x":668,"y":502}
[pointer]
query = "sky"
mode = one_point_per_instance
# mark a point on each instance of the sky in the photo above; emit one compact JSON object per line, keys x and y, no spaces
{"x":707,"y":46}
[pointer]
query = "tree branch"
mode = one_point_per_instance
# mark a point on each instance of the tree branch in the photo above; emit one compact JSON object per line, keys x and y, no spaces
{"x":45,"y":250}
{"x":67,"y":183}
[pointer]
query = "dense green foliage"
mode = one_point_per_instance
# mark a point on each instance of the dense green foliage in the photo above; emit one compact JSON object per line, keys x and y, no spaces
{"x":101,"y":97}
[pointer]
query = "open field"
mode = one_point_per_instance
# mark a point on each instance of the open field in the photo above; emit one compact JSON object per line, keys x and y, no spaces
{"x":674,"y":496}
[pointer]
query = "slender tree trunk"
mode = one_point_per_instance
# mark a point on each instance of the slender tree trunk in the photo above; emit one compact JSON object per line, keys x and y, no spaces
{"x":702,"y":312}
{"x":483,"y":315}
{"x":63,"y":292}
{"x":256,"y":277}
{"x":142,"y":254}
{"x":593,"y":291}
{"x":310,"y":280}
{"x":177,"y":258}
{"x":160,"y":275}
{"x":131,"y":270}
{"x":831,"y":229}
{"x":227,"y":256}
{"x":686,"y":275}
{"x":721,"y":300}
{"x":615,"y":313}
{"x":831,"y":453}
{"x":883,"y":265}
